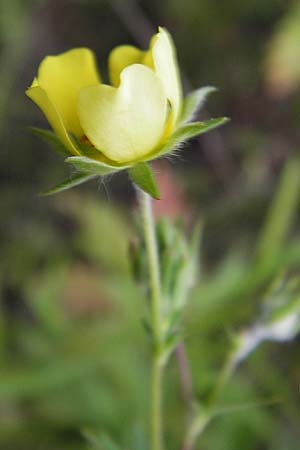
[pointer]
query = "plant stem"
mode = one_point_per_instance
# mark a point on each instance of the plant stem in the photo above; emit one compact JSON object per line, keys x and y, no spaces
{"x":206,"y":414}
{"x":153,"y":262}
{"x":195,"y":430}
{"x":156,"y":406}
{"x":157,"y":357}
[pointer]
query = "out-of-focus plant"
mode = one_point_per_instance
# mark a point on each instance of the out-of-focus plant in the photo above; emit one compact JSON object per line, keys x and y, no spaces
{"x":282,"y":65}
{"x":272,"y":267}
{"x":178,"y":274}
{"x":279,"y":321}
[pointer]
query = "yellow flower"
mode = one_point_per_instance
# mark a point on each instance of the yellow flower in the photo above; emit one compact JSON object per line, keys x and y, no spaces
{"x":140,"y":116}
{"x":126,"y":121}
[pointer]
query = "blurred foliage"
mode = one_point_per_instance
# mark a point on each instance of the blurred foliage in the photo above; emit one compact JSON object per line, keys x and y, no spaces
{"x":74,"y":356}
{"x":282,"y":62}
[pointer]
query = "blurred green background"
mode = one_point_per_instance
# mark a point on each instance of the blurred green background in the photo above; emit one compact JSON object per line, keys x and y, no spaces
{"x":73,"y":352}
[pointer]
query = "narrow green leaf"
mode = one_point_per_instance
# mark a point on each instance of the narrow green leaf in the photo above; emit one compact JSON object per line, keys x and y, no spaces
{"x":142,"y":175}
{"x":193,"y":102}
{"x":281,"y":214}
{"x":51,"y":138}
{"x":35,"y":381}
{"x":92,"y":438}
{"x":73,"y":181}
{"x":91,"y":166}
{"x":194,"y":251}
{"x":99,"y":441}
{"x":249,"y":405}
{"x":193,"y":129}
{"x":188,"y":131}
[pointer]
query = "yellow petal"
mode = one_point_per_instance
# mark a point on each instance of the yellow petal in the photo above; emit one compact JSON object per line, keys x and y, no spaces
{"x":161,"y":57}
{"x":39,"y":96}
{"x":166,"y":67}
{"x":121,"y":57}
{"x":125,"y":123}
{"x":61,"y":77}
{"x":124,"y":56}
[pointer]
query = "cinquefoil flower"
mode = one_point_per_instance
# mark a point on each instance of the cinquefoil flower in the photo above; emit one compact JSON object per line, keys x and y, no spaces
{"x":106,"y":128}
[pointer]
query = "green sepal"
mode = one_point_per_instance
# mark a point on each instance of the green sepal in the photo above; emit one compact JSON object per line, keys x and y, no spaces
{"x":142,"y":175}
{"x":51,"y":138}
{"x":188,"y":131}
{"x":91,"y":166}
{"x":193,"y":102}
{"x":73,"y":181}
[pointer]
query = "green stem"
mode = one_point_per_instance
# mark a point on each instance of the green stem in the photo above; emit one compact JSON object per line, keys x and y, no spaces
{"x":153,"y":261}
{"x":196,"y":429}
{"x":206,"y":414}
{"x":157,"y":360}
{"x":156,"y":405}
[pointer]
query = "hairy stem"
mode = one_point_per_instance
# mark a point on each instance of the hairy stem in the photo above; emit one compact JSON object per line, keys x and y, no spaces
{"x":156,"y":319}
